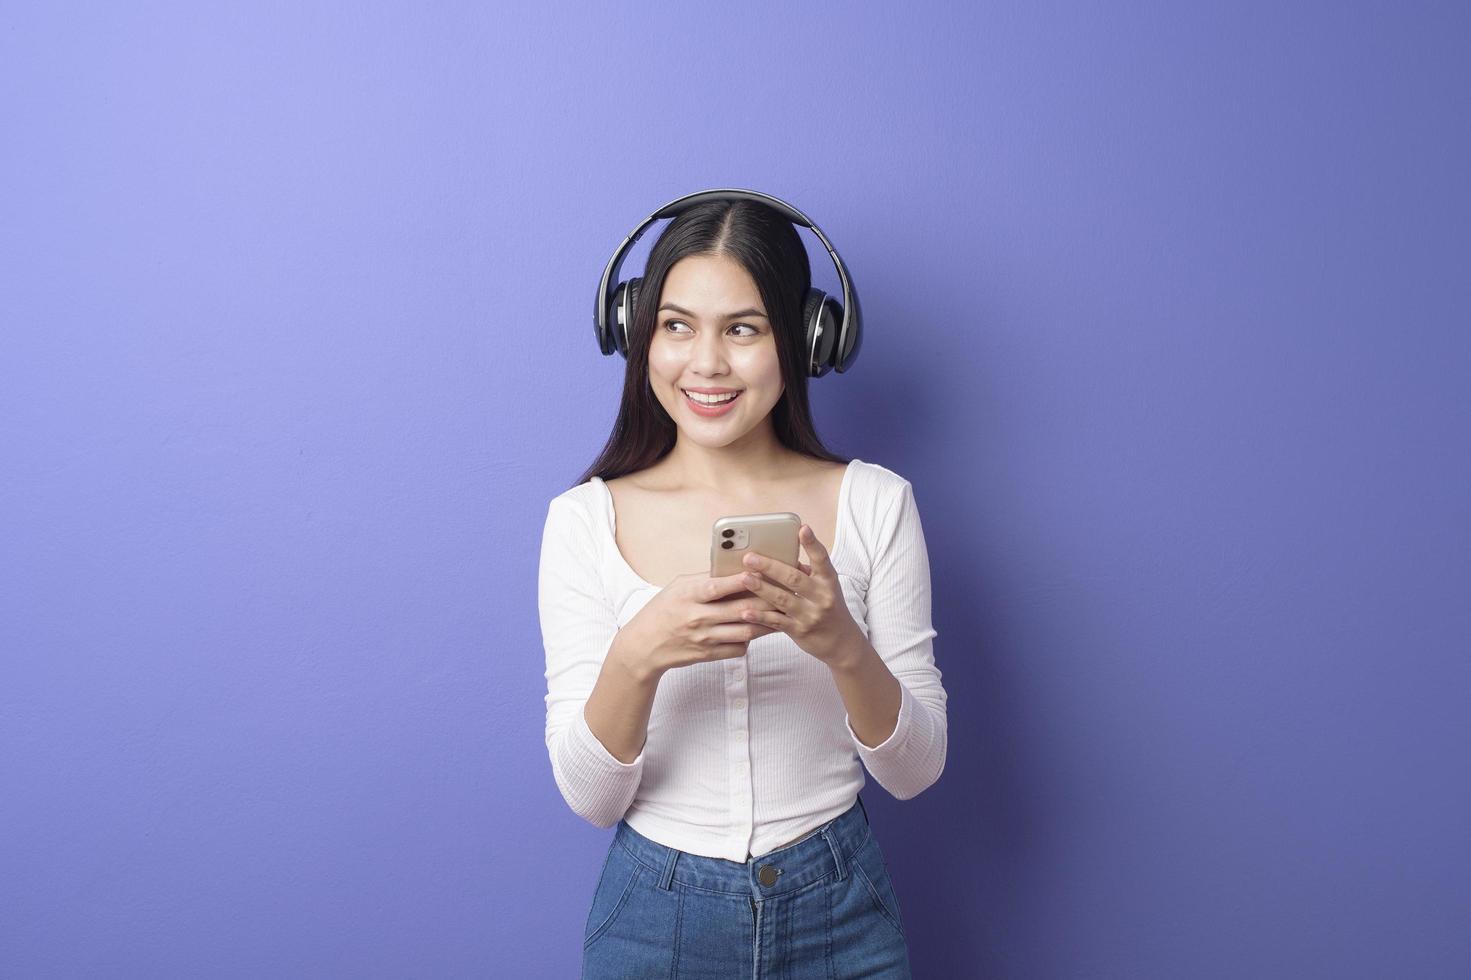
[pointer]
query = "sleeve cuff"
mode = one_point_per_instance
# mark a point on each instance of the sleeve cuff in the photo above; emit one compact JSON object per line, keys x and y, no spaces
{"x":597,"y":786}
{"x":889,"y":746}
{"x":594,"y":755}
{"x":913,"y":755}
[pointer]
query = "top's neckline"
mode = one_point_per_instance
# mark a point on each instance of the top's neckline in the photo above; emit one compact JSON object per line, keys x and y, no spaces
{"x":839,"y":531}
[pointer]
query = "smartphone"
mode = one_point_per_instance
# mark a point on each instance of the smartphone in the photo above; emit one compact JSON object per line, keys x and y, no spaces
{"x":771,"y":535}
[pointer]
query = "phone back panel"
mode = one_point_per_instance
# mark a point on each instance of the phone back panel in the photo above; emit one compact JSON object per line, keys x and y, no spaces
{"x":772,"y":535}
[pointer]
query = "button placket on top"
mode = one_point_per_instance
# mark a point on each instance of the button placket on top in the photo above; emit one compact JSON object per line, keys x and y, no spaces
{"x":742,"y":815}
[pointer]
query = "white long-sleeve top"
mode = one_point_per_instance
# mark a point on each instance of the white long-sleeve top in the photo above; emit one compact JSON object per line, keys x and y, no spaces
{"x":743,"y":755}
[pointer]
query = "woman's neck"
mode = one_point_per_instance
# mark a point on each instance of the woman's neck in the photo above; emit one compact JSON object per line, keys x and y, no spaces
{"x":738,"y":469}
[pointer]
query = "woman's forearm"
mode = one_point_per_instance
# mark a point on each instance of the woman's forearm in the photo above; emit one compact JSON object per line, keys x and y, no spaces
{"x":622,"y":698}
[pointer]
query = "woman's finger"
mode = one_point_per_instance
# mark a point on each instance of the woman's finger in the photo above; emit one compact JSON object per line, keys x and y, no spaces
{"x":719,"y":587}
{"x":775,"y":620}
{"x":774,"y":595}
{"x":816,"y":550}
{"x":777,"y":571}
{"x":735,"y":632}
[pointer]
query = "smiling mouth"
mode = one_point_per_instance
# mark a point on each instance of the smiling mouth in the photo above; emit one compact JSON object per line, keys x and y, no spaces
{"x":713,"y":409}
{"x":711,"y":401}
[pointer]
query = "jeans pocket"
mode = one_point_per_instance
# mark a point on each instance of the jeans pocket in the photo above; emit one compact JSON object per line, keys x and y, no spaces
{"x":869,"y":866}
{"x":621,"y":872}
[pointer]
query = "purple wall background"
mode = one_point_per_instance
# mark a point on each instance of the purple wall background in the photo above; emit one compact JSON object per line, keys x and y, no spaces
{"x":1167,"y":314}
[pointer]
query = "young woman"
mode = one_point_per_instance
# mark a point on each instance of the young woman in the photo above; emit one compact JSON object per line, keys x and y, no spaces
{"x":724,"y":723}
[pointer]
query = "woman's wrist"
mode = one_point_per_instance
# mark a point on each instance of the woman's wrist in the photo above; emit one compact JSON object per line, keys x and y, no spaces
{"x":632,"y":656}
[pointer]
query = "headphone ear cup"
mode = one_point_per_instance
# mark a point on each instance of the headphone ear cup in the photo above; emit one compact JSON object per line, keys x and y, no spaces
{"x":821,"y":314}
{"x":620,"y":313}
{"x":633,"y":287}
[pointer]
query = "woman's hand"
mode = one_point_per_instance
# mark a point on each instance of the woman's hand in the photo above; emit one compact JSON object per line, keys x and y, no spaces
{"x":691,"y":620}
{"x":808,"y":603}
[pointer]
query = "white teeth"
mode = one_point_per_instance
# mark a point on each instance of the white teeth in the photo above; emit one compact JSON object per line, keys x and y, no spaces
{"x":710,"y":399}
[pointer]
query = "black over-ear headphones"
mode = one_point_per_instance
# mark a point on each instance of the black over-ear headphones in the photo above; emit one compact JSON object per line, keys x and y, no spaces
{"x":833,"y":332}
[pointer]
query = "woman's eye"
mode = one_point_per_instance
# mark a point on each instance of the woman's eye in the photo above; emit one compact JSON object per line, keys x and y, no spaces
{"x":753,"y":331}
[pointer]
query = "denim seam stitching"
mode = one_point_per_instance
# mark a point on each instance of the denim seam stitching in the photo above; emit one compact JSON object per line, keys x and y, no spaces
{"x":716,"y":891}
{"x":872,"y":890}
{"x":849,"y":860}
{"x":629,"y":851}
{"x":617,"y":907}
{"x":678,"y":929}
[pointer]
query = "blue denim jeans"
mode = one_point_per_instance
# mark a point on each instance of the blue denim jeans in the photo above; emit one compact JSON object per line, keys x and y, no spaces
{"x":822,"y":907}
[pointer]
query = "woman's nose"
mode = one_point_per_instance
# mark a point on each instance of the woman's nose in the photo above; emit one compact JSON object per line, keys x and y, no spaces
{"x":709,"y":356}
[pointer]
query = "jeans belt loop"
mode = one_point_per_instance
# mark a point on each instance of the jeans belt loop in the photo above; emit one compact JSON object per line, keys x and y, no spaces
{"x":837,"y":854}
{"x":668,"y":875}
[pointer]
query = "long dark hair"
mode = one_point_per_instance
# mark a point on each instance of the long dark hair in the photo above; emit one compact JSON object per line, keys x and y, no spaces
{"x":769,"y":247}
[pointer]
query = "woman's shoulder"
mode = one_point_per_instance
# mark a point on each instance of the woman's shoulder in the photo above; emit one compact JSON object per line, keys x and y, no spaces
{"x":877,"y":482}
{"x":578,"y":503}
{"x":873,"y":495}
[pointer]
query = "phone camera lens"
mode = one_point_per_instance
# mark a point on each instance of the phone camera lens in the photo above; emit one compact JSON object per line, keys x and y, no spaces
{"x":727,"y":545}
{"x":727,"y":533}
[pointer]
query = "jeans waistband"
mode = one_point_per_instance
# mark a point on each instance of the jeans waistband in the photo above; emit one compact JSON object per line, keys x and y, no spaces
{"x":830,"y":849}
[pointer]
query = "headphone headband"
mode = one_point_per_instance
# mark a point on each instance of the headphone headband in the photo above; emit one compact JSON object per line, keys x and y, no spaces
{"x":852,"y":321}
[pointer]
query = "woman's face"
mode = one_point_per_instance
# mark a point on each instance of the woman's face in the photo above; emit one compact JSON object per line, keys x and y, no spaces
{"x":711,"y":333}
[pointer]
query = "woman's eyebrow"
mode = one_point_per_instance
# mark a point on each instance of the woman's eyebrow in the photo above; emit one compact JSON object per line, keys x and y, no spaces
{"x":729,"y":316}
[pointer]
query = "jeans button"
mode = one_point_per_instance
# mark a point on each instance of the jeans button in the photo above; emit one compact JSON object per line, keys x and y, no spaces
{"x":766,"y":874}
